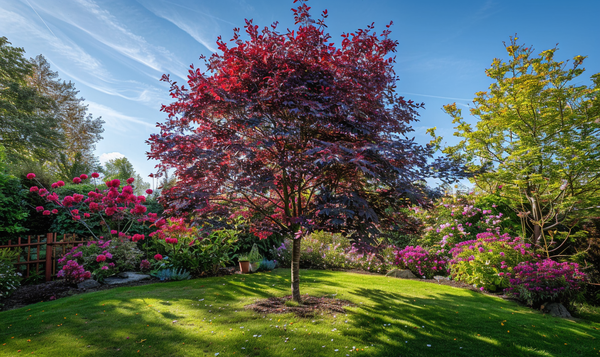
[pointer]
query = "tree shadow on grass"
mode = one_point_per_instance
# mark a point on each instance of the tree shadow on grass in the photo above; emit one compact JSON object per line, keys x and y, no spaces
{"x":204,"y":317}
{"x":442,"y":323}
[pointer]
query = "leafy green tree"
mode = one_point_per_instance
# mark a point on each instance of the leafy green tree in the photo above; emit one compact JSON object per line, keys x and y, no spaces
{"x":12,"y":195}
{"x":536,"y":142}
{"x":27,"y":129}
{"x":80,"y":130}
{"x":122,"y":169}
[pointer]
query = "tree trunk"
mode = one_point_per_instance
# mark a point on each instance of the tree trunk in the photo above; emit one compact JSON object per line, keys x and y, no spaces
{"x":537,"y":233}
{"x":296,"y":270}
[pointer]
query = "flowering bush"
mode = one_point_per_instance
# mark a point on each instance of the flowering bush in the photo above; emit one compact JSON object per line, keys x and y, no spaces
{"x":94,"y":256}
{"x":487,"y":261}
{"x":145,"y":265}
{"x":118,"y":207}
{"x":422,"y":262}
{"x":453,"y":221}
{"x":546,"y":281}
{"x":333,"y":251}
{"x":376,"y":260}
{"x":10,"y":279}
{"x":73,"y":273}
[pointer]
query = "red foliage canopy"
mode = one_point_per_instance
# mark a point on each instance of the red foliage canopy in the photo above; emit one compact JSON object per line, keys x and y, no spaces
{"x":293,"y":131}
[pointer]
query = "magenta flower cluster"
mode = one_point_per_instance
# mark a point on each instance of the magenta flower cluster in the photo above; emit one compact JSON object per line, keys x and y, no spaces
{"x":483,"y":242}
{"x":95,"y":256}
{"x":421,"y":262}
{"x":546,"y":281}
{"x":73,"y":273}
{"x":145,"y":265}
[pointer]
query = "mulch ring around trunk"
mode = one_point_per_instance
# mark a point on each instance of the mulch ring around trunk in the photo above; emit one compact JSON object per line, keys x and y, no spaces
{"x":310,"y":306}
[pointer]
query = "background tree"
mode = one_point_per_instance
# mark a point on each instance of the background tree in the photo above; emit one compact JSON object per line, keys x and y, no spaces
{"x":27,"y":129}
{"x":536,"y":141}
{"x":80,"y":130}
{"x":122,"y":169}
{"x":12,"y":196}
{"x":292,"y":132}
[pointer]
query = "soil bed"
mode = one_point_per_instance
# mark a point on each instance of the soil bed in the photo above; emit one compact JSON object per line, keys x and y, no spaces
{"x":52,"y":290}
{"x":311,"y":305}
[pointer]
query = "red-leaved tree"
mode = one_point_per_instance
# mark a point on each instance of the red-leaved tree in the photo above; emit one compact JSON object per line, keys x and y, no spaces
{"x":294,"y":133}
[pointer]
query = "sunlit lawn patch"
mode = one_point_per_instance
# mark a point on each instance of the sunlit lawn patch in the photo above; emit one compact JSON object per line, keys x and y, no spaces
{"x":204,"y":317}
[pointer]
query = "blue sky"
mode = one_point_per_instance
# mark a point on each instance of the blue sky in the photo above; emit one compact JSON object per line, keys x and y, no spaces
{"x":116,"y":51}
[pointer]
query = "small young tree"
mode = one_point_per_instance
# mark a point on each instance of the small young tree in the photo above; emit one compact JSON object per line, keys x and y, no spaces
{"x":536,"y":141}
{"x":293,"y":132}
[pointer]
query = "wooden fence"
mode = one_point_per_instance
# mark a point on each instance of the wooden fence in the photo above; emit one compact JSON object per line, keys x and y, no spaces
{"x":42,"y":253}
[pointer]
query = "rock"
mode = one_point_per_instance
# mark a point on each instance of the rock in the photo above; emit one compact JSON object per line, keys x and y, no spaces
{"x":88,"y":284}
{"x":131,"y":277}
{"x":401,"y":273}
{"x":556,"y":309}
{"x":439,"y":277}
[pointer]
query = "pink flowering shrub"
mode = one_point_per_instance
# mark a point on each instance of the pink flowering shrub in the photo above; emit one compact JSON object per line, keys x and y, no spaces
{"x":488,"y":261}
{"x":94,"y":256}
{"x":422,"y":262}
{"x":73,"y":272}
{"x":145,"y":265}
{"x":546,"y":281}
{"x":451,"y":221}
{"x":105,"y":258}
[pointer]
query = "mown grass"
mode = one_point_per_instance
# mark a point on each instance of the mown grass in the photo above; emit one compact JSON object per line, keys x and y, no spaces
{"x":206,"y":317}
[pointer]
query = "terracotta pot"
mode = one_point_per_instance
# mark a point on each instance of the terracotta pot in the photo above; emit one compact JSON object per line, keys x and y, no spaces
{"x":244,"y":266}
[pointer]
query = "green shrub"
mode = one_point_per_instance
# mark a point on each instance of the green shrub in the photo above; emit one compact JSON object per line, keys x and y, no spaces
{"x":216,"y":250}
{"x":12,"y":211}
{"x":126,"y":254}
{"x":187,"y":250}
{"x":9,"y":255}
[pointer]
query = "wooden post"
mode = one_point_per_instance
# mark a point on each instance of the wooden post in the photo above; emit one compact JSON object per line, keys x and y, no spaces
{"x":28,"y":253}
{"x":49,"y":259}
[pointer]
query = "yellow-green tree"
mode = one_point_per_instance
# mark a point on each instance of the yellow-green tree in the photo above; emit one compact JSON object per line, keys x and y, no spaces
{"x":536,"y":140}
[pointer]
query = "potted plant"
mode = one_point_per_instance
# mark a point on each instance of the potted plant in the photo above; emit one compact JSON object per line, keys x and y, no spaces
{"x":255,"y":258}
{"x":244,"y":262}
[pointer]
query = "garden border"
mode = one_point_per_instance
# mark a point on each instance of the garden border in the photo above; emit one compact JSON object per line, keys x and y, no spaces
{"x":41,"y":253}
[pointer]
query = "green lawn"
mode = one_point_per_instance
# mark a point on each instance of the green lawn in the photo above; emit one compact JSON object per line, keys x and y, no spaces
{"x":206,"y":317}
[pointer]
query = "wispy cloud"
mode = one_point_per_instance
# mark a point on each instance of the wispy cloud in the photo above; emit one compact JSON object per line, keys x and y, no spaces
{"x":486,"y":10}
{"x":202,"y":26}
{"x":72,"y":61}
{"x":75,"y":55}
{"x":117,"y":120}
{"x":126,"y":89}
{"x":102,"y":26}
